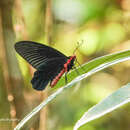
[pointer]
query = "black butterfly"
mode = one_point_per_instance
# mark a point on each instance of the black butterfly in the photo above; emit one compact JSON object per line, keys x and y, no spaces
{"x":49,"y":62}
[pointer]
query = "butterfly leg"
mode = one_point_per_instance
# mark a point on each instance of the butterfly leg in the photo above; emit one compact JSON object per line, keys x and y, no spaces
{"x":65,"y":77}
{"x":76,"y":70}
{"x":80,"y":65}
{"x":50,"y":82}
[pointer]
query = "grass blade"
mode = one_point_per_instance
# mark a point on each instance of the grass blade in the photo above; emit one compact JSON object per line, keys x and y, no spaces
{"x":112,"y":102}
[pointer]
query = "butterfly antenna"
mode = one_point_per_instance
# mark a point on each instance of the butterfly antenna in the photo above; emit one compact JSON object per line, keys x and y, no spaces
{"x":78,"y":45}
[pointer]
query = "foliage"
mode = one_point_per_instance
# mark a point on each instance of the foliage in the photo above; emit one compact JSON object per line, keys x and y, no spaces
{"x":104,"y":28}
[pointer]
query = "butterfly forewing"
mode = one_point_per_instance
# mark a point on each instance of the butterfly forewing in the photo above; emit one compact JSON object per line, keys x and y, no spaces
{"x":39,"y":55}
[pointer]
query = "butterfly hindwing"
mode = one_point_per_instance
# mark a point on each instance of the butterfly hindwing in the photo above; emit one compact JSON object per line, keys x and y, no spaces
{"x":39,"y":80}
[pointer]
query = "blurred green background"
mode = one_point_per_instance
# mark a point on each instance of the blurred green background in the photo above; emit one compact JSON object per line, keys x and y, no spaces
{"x":102,"y":25}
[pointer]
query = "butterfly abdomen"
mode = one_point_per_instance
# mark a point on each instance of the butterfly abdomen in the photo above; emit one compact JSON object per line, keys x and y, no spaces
{"x":57,"y":78}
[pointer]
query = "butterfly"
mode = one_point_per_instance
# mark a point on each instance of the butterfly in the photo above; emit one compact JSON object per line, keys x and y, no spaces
{"x":50,"y":64}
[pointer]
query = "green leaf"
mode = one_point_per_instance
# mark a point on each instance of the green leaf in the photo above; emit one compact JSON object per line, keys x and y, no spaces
{"x":90,"y":68}
{"x":95,"y":65}
{"x":112,"y":102}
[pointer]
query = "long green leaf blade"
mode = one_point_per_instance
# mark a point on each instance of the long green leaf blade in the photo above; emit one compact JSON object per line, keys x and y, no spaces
{"x":112,"y":102}
{"x":96,"y":65}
